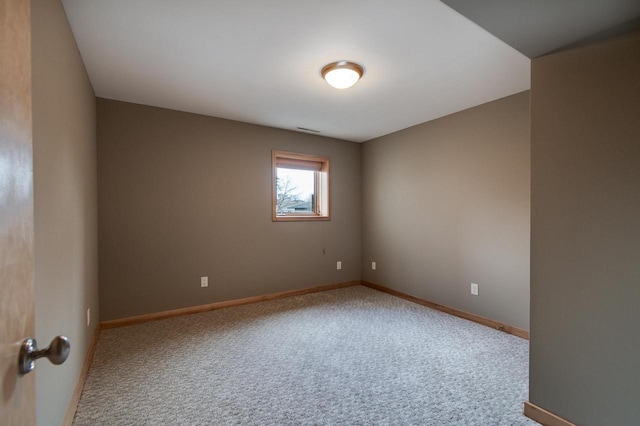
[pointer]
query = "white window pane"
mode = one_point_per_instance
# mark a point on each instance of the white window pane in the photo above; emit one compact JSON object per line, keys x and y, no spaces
{"x":294,"y":191}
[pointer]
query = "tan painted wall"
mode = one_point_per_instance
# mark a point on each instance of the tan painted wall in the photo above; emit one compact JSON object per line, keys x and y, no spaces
{"x":585,"y":233}
{"x":65,"y":203}
{"x":446,"y":203}
{"x":183,"y":196}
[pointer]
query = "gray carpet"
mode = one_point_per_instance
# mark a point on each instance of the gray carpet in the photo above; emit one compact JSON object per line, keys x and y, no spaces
{"x":353,"y":356}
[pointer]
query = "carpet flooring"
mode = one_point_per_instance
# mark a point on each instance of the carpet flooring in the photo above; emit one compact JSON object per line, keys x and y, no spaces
{"x":353,"y":356}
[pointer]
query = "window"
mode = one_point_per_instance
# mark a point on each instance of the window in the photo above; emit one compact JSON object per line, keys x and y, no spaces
{"x":300,"y":187}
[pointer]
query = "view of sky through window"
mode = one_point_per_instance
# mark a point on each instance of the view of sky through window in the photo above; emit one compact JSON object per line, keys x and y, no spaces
{"x":302,"y":181}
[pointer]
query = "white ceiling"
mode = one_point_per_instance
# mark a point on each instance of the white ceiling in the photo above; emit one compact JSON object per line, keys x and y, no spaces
{"x":541,"y":26}
{"x":259,"y":61}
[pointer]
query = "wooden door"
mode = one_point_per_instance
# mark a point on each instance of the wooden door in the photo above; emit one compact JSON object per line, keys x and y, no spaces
{"x":17,"y":393}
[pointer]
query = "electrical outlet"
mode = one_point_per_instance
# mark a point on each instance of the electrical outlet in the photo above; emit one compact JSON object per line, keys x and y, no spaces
{"x":204,"y":281}
{"x":339,"y":265}
{"x":88,"y":316}
{"x":474,"y":289}
{"x":373,"y":265}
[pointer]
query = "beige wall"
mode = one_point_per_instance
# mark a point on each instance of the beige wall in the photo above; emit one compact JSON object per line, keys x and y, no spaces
{"x":585,"y":233}
{"x":446,"y":203}
{"x":183,"y":196}
{"x":65,"y":203}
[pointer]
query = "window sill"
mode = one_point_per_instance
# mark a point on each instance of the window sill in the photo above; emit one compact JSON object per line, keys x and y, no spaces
{"x":299,"y":218}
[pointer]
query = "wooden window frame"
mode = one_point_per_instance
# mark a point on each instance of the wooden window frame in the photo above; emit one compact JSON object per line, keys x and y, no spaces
{"x":320,"y":165}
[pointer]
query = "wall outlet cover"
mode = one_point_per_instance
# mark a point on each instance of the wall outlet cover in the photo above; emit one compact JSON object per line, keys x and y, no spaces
{"x":474,"y":289}
{"x":204,"y":281}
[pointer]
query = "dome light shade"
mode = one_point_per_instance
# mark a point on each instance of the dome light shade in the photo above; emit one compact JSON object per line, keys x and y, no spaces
{"x":342,"y":74}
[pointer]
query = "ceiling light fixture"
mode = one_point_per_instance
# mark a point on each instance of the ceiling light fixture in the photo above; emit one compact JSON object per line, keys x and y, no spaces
{"x":342,"y":74}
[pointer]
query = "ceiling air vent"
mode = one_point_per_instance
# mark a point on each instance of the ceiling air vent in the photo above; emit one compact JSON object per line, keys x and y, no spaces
{"x":304,"y":129}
